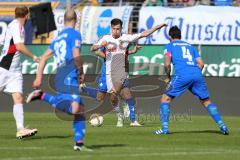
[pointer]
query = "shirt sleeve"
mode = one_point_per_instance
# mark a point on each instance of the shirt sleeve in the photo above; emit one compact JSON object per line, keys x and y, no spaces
{"x":76,"y":41}
{"x":196,"y":53}
{"x":99,"y":42}
{"x":18,"y":34}
{"x":51,"y":46}
{"x":133,"y":37}
{"x":167,"y":51}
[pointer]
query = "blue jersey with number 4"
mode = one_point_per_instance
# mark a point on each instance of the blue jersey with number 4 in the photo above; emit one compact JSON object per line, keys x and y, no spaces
{"x":183,"y":57}
{"x":62,"y":47}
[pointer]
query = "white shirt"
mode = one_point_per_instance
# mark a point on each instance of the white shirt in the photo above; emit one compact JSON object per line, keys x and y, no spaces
{"x":10,"y":57}
{"x":115,"y":51}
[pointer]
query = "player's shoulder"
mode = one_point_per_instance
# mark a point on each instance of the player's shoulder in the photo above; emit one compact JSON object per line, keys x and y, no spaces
{"x":106,"y":36}
{"x":14,"y":24}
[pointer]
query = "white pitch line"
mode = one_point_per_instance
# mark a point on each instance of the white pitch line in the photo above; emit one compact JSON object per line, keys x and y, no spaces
{"x":117,"y":155}
{"x":22,"y":148}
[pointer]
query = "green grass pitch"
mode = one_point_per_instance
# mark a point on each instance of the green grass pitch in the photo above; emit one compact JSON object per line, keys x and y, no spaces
{"x":197,"y":138}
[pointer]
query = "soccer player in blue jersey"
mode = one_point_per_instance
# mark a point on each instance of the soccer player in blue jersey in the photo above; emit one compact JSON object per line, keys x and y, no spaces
{"x":188,"y":66}
{"x":66,"y":50}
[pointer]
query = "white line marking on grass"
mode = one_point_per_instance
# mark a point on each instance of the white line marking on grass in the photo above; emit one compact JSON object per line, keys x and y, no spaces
{"x":22,"y":148}
{"x":118,"y":155}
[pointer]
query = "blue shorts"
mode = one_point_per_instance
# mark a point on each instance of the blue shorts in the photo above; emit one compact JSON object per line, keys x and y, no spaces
{"x":194,"y":83}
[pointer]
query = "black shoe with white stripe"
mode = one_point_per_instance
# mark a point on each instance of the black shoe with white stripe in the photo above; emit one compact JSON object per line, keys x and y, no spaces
{"x":34,"y":95}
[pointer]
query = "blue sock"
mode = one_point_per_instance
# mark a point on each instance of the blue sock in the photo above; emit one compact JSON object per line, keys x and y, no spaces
{"x":130,"y":103}
{"x":92,"y":92}
{"x":58,"y":103}
{"x":164,"y":113}
{"x":79,"y":126}
{"x":213,"y":111}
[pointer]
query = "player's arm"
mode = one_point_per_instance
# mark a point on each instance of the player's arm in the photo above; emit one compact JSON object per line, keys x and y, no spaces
{"x":167,"y":66}
{"x":152,"y":30}
{"x":38,"y":81}
{"x":23,"y":49}
{"x":99,"y":45}
{"x":198,"y":58}
{"x":78,"y":63}
{"x":134,"y":50}
{"x":18,"y":40}
{"x":200,"y":63}
{"x":100,"y":53}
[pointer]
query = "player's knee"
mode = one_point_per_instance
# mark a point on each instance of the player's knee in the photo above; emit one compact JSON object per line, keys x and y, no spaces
{"x":165,"y":99}
{"x":114,"y":99}
{"x":17,"y":98}
{"x":206,"y":102}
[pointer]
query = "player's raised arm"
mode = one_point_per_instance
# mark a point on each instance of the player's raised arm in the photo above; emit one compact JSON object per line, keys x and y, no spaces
{"x":150,"y":31}
{"x":44,"y":58}
{"x":135,"y":49}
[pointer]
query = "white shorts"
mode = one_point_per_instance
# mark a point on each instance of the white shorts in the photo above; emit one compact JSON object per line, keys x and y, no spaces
{"x":114,"y":81}
{"x":11,"y":82}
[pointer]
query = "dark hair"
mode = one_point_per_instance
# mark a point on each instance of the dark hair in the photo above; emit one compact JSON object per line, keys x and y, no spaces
{"x":21,"y":11}
{"x":175,"y":32}
{"x":116,"y":21}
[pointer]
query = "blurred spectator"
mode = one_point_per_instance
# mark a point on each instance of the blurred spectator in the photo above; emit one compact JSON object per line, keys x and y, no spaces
{"x":174,"y":3}
{"x":236,"y":3}
{"x":205,"y":2}
{"x":152,"y":3}
{"x":178,"y":3}
{"x":222,"y":2}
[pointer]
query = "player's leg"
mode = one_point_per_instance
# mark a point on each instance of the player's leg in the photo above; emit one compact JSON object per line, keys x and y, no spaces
{"x":18,"y":114}
{"x":199,"y":89}
{"x":131,"y":104}
{"x":14,"y":83}
{"x":215,"y":114}
{"x":175,"y":88}
{"x":60,"y":101}
{"x":79,"y":126}
{"x":90,"y":91}
{"x":164,"y":114}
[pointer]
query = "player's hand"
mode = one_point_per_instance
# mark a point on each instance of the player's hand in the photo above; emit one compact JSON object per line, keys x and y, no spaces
{"x":162,"y":25}
{"x":167,"y":80}
{"x":37,"y":83}
{"x":104,"y":44}
{"x":137,"y":47}
{"x":81,"y":78}
{"x":36,"y":59}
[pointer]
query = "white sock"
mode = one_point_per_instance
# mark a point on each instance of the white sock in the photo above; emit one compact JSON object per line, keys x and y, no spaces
{"x":18,"y":115}
{"x":118,"y":111}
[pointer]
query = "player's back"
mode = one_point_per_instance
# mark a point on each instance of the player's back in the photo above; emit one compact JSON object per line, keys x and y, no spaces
{"x":184,"y":57}
{"x":62,"y":47}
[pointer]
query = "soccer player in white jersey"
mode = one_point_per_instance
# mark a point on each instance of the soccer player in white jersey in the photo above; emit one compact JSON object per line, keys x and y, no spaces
{"x":11,"y":80}
{"x":115,"y":46}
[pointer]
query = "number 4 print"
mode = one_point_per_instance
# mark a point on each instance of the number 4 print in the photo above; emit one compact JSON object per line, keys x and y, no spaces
{"x":186,"y":54}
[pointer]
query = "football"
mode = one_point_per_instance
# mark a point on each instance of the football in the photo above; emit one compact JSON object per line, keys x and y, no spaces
{"x":96,"y":120}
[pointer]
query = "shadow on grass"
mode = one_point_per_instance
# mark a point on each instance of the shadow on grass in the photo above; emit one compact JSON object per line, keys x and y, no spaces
{"x":202,"y":131}
{"x":47,"y":137}
{"x":106,"y":146}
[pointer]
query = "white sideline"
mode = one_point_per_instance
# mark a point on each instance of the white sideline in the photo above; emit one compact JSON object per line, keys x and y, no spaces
{"x":118,"y":155}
